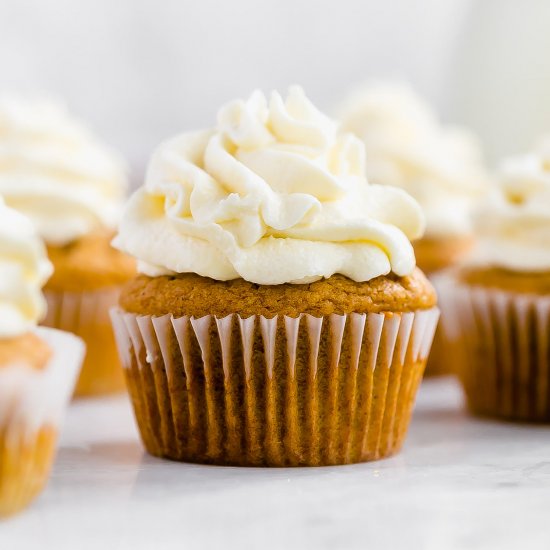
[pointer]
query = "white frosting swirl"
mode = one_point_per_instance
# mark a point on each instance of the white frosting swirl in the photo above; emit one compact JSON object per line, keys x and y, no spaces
{"x":514,"y":223}
{"x":24,"y":268}
{"x":55,"y":172}
{"x":406,"y":146}
{"x":273,"y":195}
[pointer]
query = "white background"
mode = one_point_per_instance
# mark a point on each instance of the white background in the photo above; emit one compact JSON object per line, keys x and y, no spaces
{"x":141,"y":70}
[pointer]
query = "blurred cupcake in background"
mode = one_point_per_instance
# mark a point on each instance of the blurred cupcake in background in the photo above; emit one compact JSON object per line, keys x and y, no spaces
{"x":440,"y":166}
{"x":38,"y":367}
{"x":71,"y":187}
{"x":501,"y":300}
{"x":279,"y":318}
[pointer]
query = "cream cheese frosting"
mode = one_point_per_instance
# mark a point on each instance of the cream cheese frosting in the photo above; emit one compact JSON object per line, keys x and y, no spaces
{"x":24,"y":268}
{"x":514,"y":223}
{"x":406,"y":146}
{"x":53,"y":170}
{"x":274,"y":194}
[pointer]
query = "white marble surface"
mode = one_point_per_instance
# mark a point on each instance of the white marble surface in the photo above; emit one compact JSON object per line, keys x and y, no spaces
{"x":459,"y":484}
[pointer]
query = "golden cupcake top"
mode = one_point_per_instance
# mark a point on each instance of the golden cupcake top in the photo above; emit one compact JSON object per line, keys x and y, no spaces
{"x":190,"y":294}
{"x":89,"y":264}
{"x":514,"y":223}
{"x":24,"y":269}
{"x":407,"y":146}
{"x":273,"y":194}
{"x":53,"y":170}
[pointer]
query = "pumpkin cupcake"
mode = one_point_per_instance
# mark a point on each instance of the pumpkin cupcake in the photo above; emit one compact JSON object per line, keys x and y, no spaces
{"x":502,"y":299}
{"x":278,"y":318}
{"x":38,"y":367}
{"x":440,"y":166}
{"x":71,"y":187}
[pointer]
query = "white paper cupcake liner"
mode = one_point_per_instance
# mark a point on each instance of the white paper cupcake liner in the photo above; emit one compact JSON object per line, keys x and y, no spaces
{"x":280,"y":391}
{"x":32,"y":403}
{"x":505,"y":351}
{"x":31,"y":399}
{"x":443,"y":356}
{"x":86,"y":314}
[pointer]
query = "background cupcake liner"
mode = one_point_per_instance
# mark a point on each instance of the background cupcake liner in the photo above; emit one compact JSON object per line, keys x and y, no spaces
{"x":443,"y":355}
{"x":32,"y":403}
{"x":86,"y":314}
{"x":504,"y":352}
{"x":283,"y":391}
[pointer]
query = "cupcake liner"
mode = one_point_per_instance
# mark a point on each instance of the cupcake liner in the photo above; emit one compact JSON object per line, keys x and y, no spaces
{"x":32,"y":403}
{"x":505,"y":351}
{"x":86,"y":314}
{"x":443,"y":355}
{"x":25,"y":464}
{"x":281,"y":392}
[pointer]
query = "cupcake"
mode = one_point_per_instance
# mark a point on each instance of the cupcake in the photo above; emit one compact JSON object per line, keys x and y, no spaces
{"x":38,"y":367}
{"x":278,"y":318}
{"x":56,"y":173}
{"x":440,"y":166}
{"x":501,"y":299}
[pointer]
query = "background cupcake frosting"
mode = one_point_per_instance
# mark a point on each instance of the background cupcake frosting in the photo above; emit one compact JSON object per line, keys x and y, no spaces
{"x":406,"y":145}
{"x":54,"y":170}
{"x":514,"y":222}
{"x":71,"y":187}
{"x":38,"y":366}
{"x":274,"y":194}
{"x":24,"y":269}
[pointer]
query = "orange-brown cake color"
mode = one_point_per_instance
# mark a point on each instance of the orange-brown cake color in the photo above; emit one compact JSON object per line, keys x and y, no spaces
{"x":26,"y":349}
{"x":25,"y":463}
{"x":435,"y":254}
{"x":503,"y":279}
{"x":85,"y":285}
{"x":504,"y":349}
{"x":190,"y":294}
{"x":87,"y":264}
{"x":314,"y":390}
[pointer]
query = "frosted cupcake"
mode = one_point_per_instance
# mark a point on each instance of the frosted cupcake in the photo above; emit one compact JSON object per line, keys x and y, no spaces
{"x":38,"y":367}
{"x":278,"y":319}
{"x":56,"y":173}
{"x":502,"y":300}
{"x":440,"y":166}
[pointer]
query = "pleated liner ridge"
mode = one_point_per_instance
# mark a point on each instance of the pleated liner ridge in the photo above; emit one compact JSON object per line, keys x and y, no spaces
{"x":443,"y":354}
{"x":86,"y":314}
{"x":277,"y":392}
{"x":25,"y":464}
{"x":505,"y":363}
